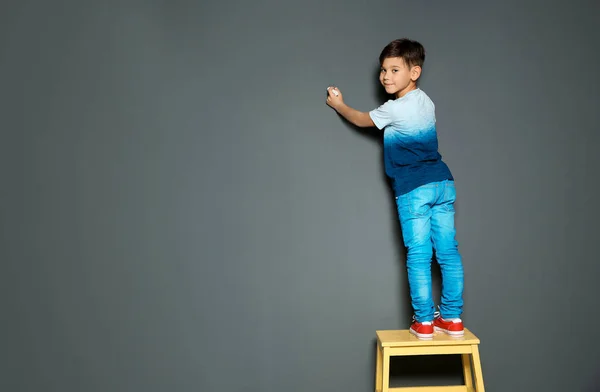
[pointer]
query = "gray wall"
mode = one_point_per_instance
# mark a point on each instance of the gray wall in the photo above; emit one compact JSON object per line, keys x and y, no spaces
{"x":181,"y":211}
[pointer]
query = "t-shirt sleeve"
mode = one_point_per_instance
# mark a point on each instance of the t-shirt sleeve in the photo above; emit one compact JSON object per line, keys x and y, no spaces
{"x":383,"y":115}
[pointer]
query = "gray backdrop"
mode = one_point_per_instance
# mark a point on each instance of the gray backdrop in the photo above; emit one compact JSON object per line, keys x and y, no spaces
{"x":181,"y":211}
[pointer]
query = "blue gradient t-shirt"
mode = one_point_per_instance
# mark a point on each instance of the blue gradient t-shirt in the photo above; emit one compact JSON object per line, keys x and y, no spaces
{"x":410,"y":141}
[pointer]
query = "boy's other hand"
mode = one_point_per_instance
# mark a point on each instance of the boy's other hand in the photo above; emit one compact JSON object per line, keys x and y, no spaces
{"x":334,"y":100}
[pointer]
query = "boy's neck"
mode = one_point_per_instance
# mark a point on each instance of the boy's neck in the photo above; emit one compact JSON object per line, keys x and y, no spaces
{"x":412,"y":86}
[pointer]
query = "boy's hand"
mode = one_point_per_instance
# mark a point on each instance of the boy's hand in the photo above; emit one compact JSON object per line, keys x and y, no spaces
{"x":334,"y":97}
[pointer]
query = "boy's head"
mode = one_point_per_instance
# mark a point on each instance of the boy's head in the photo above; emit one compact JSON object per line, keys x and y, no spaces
{"x":401,"y":64}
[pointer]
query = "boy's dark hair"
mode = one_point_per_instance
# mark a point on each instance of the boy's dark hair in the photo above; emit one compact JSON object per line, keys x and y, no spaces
{"x":412,"y":52}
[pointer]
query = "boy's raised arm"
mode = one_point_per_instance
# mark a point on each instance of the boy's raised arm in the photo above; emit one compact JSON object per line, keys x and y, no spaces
{"x":356,"y":117}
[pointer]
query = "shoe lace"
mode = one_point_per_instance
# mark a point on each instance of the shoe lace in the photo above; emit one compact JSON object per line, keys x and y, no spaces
{"x":414,"y":319}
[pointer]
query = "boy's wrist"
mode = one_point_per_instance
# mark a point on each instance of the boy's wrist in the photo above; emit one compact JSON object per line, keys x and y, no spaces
{"x":342,"y":108}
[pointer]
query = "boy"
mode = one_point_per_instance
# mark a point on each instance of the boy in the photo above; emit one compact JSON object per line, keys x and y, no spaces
{"x":423,"y":185}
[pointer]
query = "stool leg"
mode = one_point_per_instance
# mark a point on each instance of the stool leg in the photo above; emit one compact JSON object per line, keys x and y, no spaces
{"x":379,"y":370}
{"x":477,"y":369}
{"x":386,"y":370}
{"x":467,"y":370}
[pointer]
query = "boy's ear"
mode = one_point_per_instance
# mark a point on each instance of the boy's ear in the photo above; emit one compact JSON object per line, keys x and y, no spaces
{"x":415,"y":73}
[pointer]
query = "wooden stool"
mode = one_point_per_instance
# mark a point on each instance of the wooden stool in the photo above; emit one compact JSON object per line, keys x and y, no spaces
{"x":401,"y":342}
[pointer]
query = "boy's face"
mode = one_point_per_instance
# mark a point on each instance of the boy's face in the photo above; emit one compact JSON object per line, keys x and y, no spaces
{"x":397,"y":77}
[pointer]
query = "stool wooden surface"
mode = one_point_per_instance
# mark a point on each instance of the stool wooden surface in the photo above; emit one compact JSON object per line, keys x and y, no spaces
{"x":402,"y":343}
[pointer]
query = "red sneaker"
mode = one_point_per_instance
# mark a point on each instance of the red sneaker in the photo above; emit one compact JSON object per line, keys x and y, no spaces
{"x":422,"y":330}
{"x":452,"y":327}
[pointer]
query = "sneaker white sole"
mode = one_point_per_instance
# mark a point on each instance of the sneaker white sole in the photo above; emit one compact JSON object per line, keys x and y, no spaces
{"x":421,"y":335}
{"x":451,"y":333}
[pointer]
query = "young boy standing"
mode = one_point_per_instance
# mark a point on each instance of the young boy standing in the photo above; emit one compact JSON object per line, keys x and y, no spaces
{"x":423,"y":185}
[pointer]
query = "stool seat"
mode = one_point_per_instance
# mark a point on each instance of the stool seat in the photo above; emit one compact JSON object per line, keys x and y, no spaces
{"x":402,"y":343}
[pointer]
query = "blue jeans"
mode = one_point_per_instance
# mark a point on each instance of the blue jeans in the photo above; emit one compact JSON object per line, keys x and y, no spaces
{"x":427,"y":220}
